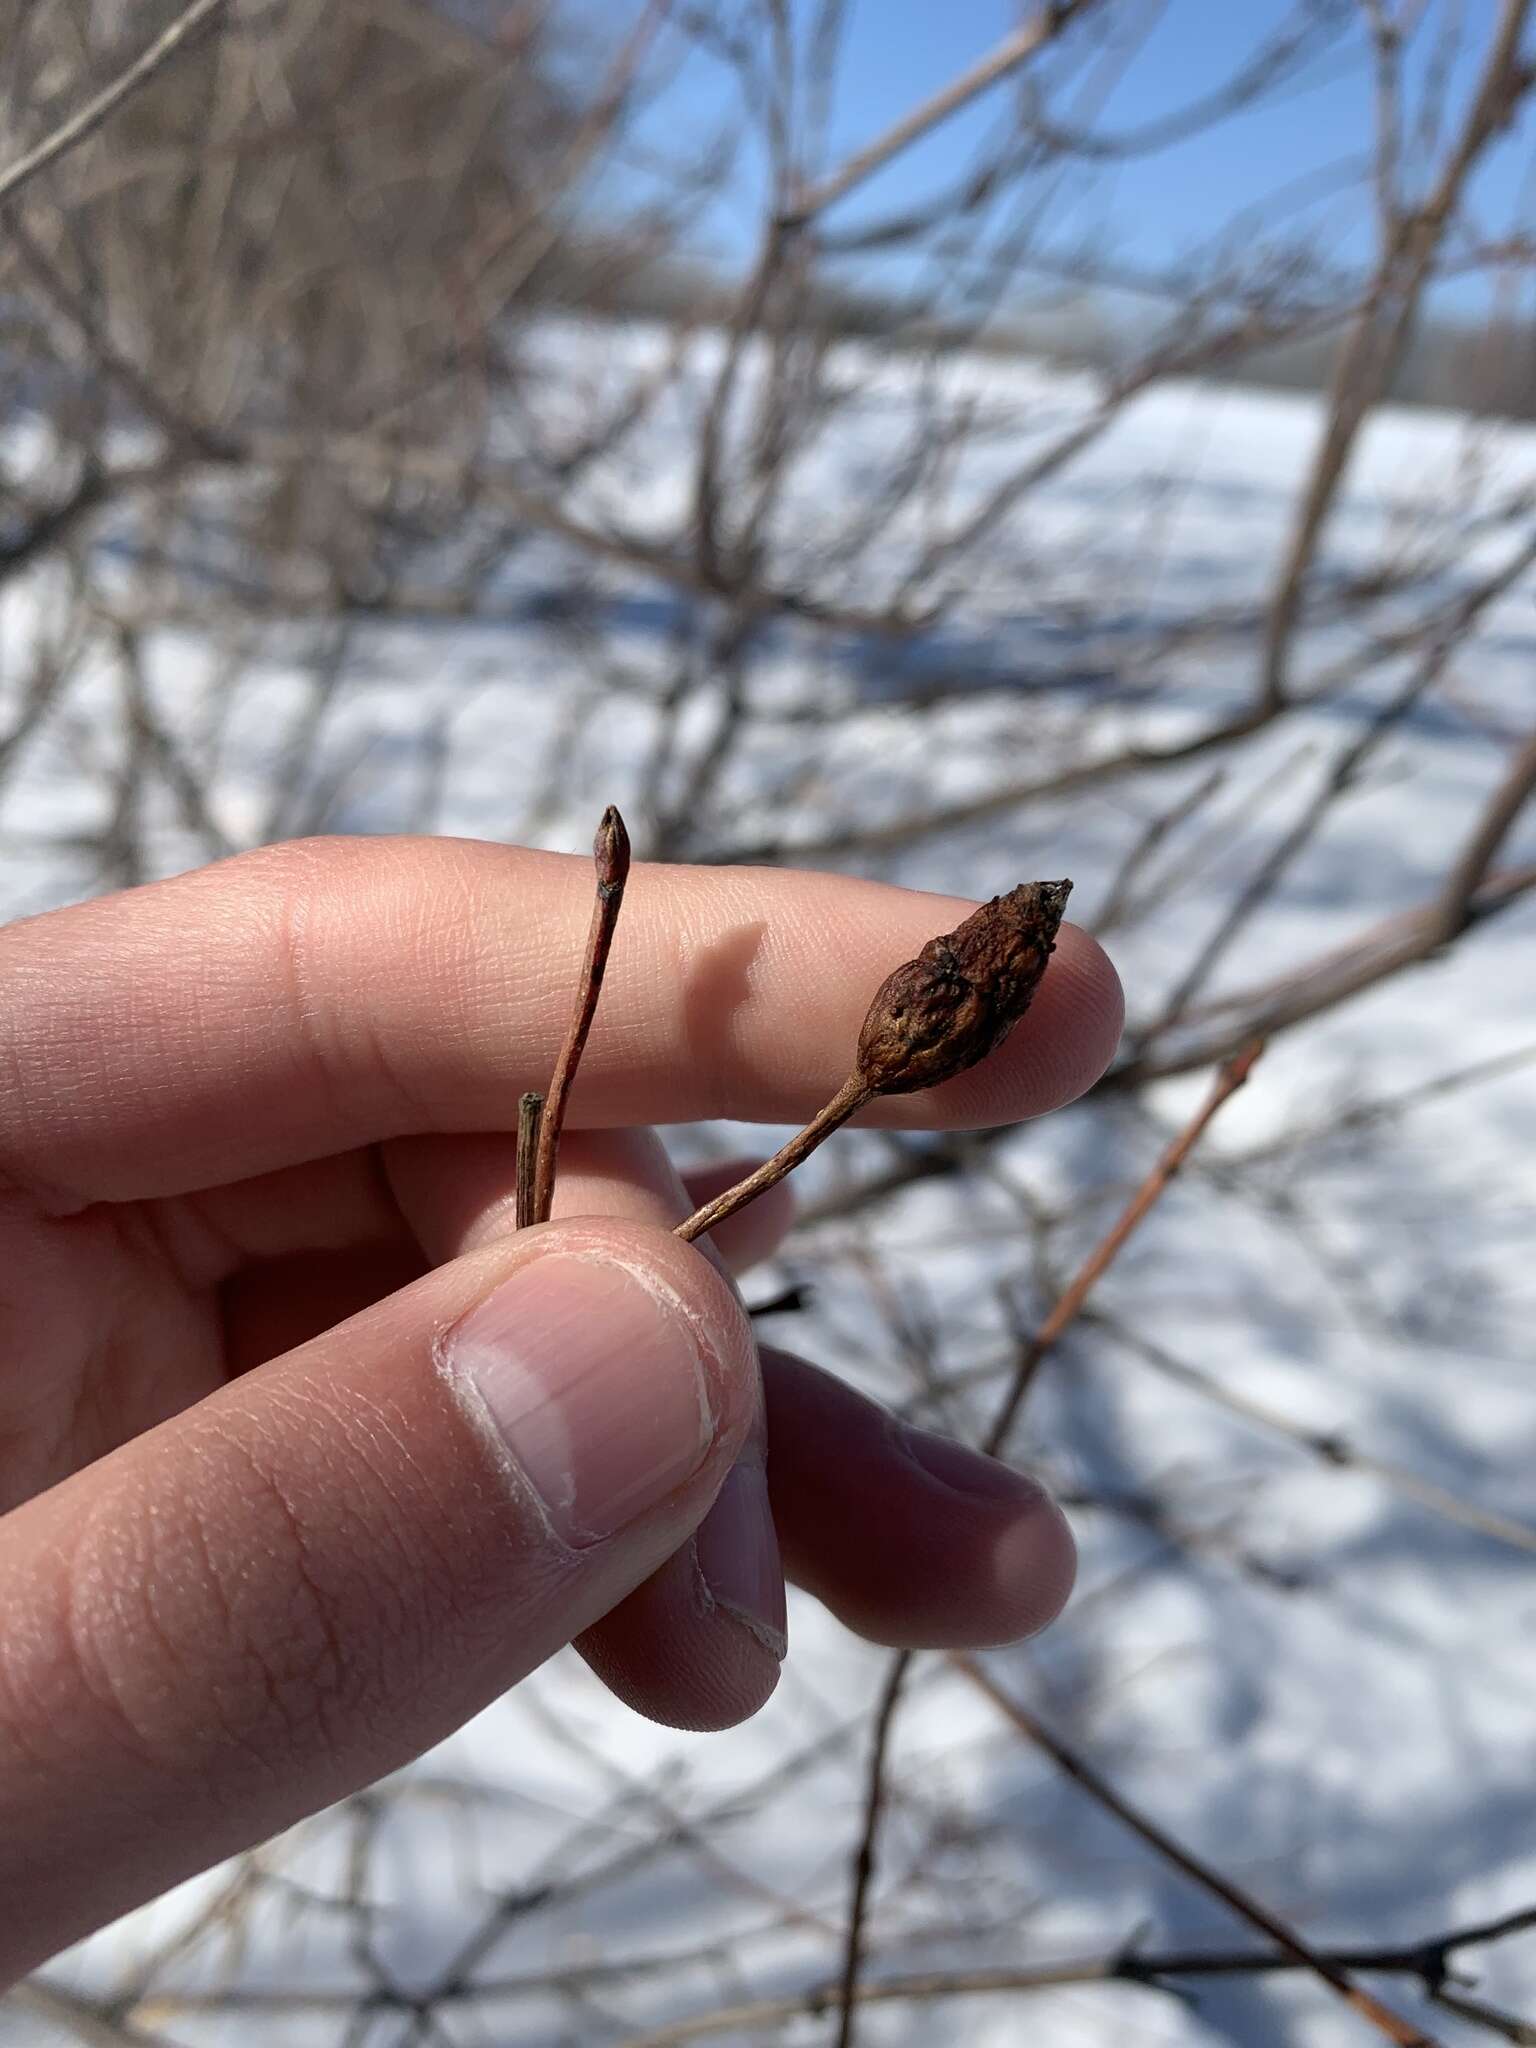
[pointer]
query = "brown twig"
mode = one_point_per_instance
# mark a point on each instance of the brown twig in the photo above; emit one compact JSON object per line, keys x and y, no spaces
{"x":1247,"y":1908}
{"x":1009,"y":54}
{"x":90,"y":117}
{"x":64,"y":2012}
{"x":1373,"y":350}
{"x":1032,"y":1353}
{"x":1231,"y":1077}
{"x":610,"y":854}
{"x":530,"y":1121}
{"x":1492,"y":829}
{"x":848,"y":1100}
{"x":1326,"y":1446}
{"x":1428,"y":1961}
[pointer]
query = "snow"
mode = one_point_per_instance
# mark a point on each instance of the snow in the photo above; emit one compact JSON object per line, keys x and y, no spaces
{"x":1328,"y":1690}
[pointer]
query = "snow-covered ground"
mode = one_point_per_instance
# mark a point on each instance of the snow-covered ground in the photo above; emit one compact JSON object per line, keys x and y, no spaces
{"x":1324,"y":1687}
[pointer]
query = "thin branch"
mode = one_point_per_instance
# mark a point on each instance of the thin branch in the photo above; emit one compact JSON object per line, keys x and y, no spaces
{"x":1385,"y":950}
{"x":1492,"y":829}
{"x":1008,"y":55}
{"x":610,"y":854}
{"x":1328,"y":1447}
{"x":1375,"y":345}
{"x":1072,"y":1302}
{"x":995,"y":803}
{"x":1342,"y":775}
{"x":170,"y":44}
{"x":847,"y":1102}
{"x":1429,"y":1961}
{"x":1209,"y":1879}
{"x":1380,"y":1109}
{"x":530,"y":1121}
{"x":1159,"y":827}
{"x":867,"y":1854}
{"x":61,"y":2010}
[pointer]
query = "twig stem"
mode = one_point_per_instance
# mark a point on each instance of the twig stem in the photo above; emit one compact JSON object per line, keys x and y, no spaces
{"x":89,"y":118}
{"x":1015,"y":49}
{"x":1071,"y":1302}
{"x":530,"y":1119}
{"x":848,"y":1100}
{"x":610,"y":854}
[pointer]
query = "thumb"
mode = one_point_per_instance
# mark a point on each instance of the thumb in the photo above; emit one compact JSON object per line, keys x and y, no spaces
{"x":327,"y":1566}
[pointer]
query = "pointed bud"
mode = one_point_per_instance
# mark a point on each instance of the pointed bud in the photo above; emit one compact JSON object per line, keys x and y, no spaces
{"x":610,"y":852}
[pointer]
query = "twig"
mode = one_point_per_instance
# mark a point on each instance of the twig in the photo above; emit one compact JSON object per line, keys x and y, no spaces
{"x":1068,"y":1307}
{"x":1373,"y":350}
{"x":1342,"y":775}
{"x":530,"y":1121}
{"x":1429,"y":1961}
{"x":1009,"y":54}
{"x":1379,"y":1109}
{"x":1231,"y":1077}
{"x":848,"y":1100}
{"x":867,"y":1853}
{"x":1503,"y":808}
{"x":1152,"y":835}
{"x":1478,"y":2013}
{"x":610,"y":854}
{"x":62,"y":2011}
{"x":1247,"y":1908}
{"x":1404,"y":940}
{"x":90,"y":117}
{"x":1328,"y":1447}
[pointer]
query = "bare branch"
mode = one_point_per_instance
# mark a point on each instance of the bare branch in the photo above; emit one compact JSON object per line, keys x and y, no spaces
{"x":1009,"y":54}
{"x":167,"y":46}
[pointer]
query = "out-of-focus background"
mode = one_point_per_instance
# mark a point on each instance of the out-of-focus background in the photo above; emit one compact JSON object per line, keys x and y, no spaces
{"x":446,"y":416}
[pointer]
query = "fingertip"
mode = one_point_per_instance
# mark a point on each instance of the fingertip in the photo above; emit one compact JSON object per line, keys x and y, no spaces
{"x":912,"y":1539}
{"x":673,"y":1653}
{"x":1019,"y":1532}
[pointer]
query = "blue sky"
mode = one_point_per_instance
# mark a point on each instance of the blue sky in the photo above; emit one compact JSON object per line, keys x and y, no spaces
{"x":1153,"y":208}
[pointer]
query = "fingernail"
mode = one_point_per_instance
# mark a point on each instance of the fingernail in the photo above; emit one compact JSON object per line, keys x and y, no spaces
{"x":594,"y":1386}
{"x":966,"y":1471}
{"x":738,"y":1553}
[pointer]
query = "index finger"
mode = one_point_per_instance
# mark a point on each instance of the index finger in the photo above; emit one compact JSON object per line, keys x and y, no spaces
{"x":309,"y":998}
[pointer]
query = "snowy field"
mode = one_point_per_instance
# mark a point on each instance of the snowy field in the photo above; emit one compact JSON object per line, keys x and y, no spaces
{"x":1325,"y":1686}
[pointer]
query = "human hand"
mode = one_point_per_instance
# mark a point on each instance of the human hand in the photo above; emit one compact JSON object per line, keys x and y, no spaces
{"x":305,"y":1456}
